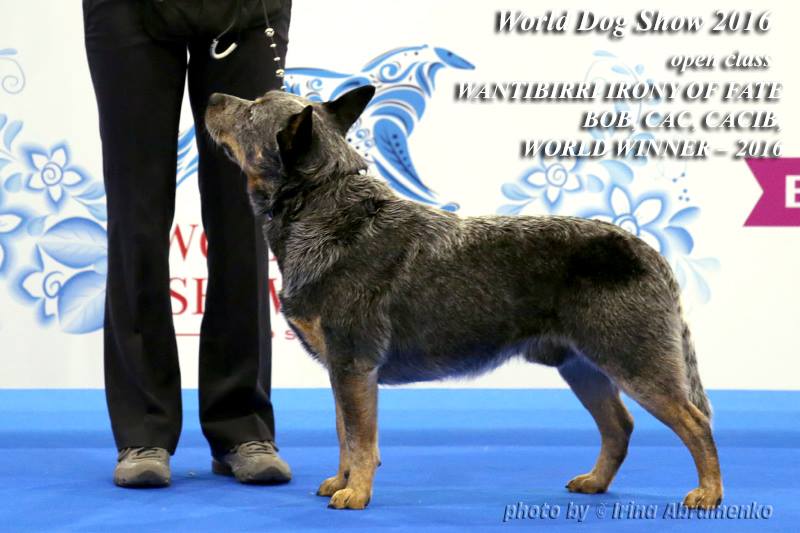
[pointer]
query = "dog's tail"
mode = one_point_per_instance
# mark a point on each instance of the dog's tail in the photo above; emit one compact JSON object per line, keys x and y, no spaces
{"x":696,"y":393}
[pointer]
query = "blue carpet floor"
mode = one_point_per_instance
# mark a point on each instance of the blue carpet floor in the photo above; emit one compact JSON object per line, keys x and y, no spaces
{"x":452,"y":459}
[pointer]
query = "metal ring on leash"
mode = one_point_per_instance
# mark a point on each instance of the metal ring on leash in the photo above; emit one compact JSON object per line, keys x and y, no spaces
{"x":213,"y":50}
{"x":269,"y":32}
{"x":222,"y":55}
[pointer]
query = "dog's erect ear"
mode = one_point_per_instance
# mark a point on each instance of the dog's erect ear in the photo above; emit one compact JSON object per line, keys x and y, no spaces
{"x":346,"y":109}
{"x":295,"y":139}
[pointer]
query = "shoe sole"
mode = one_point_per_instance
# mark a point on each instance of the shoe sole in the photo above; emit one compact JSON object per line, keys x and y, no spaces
{"x":145,"y":479}
{"x":269,"y":476}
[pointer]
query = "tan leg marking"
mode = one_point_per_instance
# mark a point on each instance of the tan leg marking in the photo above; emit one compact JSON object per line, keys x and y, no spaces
{"x":694,"y":429}
{"x":357,"y":395}
{"x":601,"y":398}
{"x":339,"y":481}
{"x":313,"y":336}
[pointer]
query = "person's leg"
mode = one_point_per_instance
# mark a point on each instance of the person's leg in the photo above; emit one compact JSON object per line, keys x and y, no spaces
{"x":139,"y":87}
{"x":235,"y":342}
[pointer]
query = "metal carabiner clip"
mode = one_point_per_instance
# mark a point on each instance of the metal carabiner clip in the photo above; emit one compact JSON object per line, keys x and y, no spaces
{"x":228,"y":51}
{"x":221,"y":55}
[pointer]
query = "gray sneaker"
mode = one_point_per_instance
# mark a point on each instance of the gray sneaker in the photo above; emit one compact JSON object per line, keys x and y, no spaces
{"x":142,"y":467}
{"x":253,"y":462}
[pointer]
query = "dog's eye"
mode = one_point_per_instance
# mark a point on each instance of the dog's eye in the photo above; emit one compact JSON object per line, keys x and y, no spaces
{"x":228,"y":152}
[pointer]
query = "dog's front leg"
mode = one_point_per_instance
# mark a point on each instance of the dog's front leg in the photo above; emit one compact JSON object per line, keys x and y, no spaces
{"x":356,"y":393}
{"x":339,"y":481}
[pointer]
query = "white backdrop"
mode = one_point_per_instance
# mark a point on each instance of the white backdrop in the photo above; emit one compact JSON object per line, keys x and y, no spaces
{"x":741,"y":284}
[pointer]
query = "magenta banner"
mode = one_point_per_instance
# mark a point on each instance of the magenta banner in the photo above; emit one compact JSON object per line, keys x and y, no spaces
{"x":779,"y":204}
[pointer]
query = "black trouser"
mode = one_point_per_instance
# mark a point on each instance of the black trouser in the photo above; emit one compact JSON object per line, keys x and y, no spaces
{"x":139,"y":84}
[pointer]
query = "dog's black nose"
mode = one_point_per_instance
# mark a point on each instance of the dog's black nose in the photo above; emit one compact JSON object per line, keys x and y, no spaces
{"x":216,"y":99}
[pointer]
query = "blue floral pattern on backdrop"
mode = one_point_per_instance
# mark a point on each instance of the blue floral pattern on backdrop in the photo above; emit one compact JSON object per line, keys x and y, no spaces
{"x":649,"y":198}
{"x":52,"y":234}
{"x":52,"y":211}
{"x":12,"y":77}
{"x":52,"y":223}
{"x":405,"y":79}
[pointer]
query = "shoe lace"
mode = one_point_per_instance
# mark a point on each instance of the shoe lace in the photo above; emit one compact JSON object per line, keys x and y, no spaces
{"x":147,"y":452}
{"x":256,"y":447}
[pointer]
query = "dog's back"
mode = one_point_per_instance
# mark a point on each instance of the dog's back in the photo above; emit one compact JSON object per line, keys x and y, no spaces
{"x":469,"y":293}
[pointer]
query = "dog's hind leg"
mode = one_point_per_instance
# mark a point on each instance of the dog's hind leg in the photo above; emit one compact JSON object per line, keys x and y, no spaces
{"x":339,"y":481}
{"x":672,"y":405}
{"x":659,"y":374}
{"x":356,"y":393}
{"x":601,"y":398}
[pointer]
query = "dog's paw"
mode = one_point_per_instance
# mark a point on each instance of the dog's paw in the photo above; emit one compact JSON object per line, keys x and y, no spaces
{"x":349,"y":499}
{"x":587,"y":484}
{"x":331,"y":485}
{"x":703,"y":498}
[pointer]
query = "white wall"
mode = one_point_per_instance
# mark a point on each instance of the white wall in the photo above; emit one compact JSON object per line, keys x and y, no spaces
{"x":745,"y":328}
